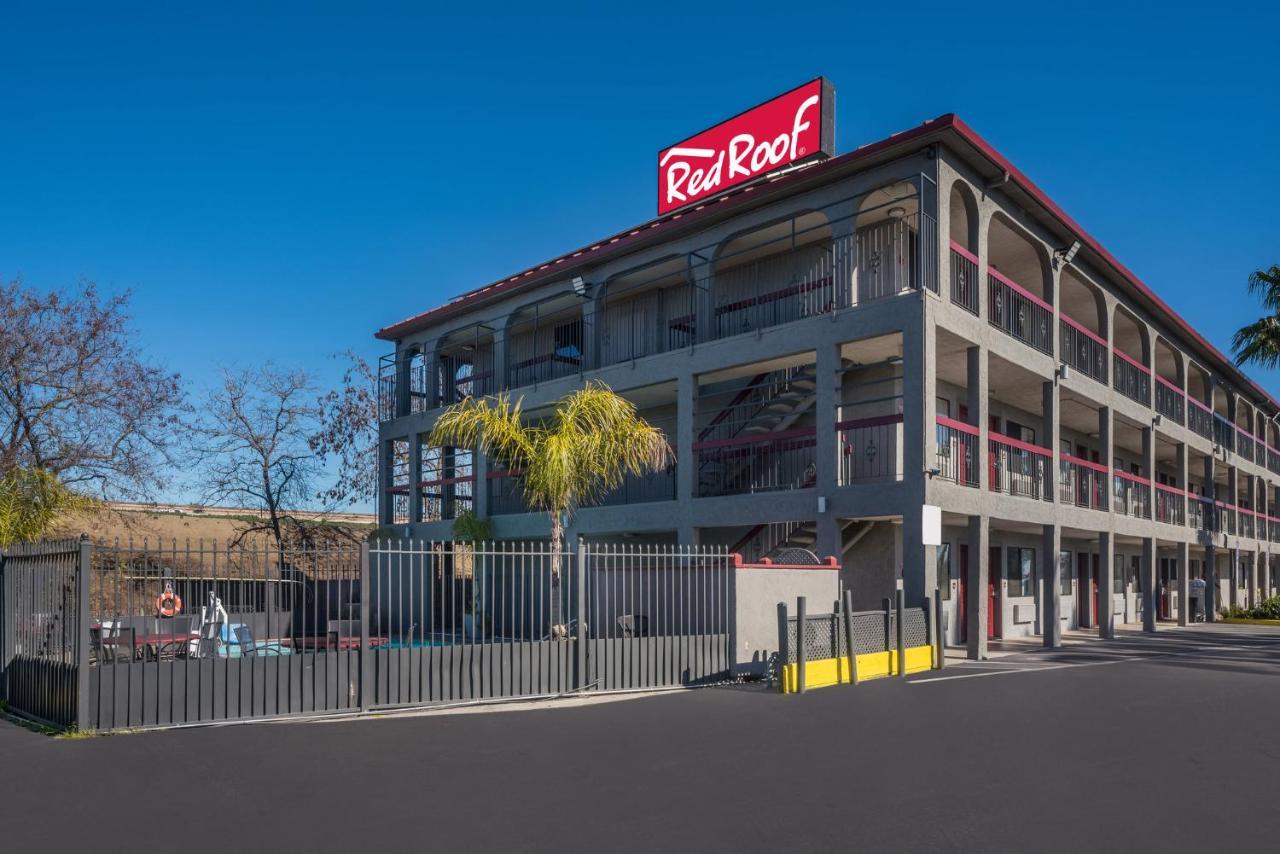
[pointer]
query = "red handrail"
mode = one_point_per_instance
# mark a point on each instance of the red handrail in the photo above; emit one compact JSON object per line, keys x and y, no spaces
{"x":1146,"y":481}
{"x":1011,"y":442}
{"x":1082,"y":329}
{"x":1132,"y":361}
{"x":1200,"y":405}
{"x":958,"y":426}
{"x":962,"y":252}
{"x":1019,"y":289}
{"x":1169,"y":384}
{"x":1098,"y":467}
{"x":1172,"y":490}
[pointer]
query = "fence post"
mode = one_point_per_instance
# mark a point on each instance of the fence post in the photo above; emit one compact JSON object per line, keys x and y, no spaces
{"x":82,"y":633}
{"x":366,"y":654}
{"x":939,"y":630}
{"x":801,"y":655}
{"x":783,"y":647}
{"x":848,"y":637}
{"x":902,"y":652}
{"x":579,"y":580}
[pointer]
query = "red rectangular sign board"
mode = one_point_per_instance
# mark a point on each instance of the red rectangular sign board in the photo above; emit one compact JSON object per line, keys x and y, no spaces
{"x":792,"y":128}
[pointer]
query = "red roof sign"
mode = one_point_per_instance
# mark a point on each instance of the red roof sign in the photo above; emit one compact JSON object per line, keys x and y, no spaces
{"x":792,"y":128}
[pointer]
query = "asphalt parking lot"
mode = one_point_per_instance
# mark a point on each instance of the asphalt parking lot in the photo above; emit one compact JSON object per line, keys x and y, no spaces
{"x":1165,"y":743}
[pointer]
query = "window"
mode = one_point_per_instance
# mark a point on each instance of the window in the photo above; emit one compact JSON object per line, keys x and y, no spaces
{"x":1118,"y":574}
{"x":1020,"y":571}
{"x":1065,"y":586}
{"x":943,"y":407}
{"x":944,"y":569}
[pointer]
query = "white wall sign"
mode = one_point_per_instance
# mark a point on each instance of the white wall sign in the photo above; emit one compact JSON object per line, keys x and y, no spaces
{"x":931,"y":525}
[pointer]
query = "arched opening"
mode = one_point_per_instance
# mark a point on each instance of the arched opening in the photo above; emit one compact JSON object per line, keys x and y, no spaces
{"x":419,"y":390}
{"x":1131,"y":355}
{"x":888,"y":224}
{"x":545,"y":341}
{"x":1018,"y":289}
{"x":964,"y":248}
{"x":1170,"y":401}
{"x":464,"y":365}
{"x":647,"y":310}
{"x":1083,"y":313}
{"x":1224,"y":431}
{"x":775,"y":274}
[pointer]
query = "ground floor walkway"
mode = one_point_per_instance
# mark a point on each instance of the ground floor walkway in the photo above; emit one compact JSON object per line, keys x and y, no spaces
{"x":1141,"y":743}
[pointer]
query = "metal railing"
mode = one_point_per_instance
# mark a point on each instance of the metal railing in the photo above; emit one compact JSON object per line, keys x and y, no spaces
{"x":121,"y":636}
{"x":640,"y":489}
{"x":757,"y":463}
{"x":1170,"y":505}
{"x":1224,"y":433}
{"x":1247,"y":521}
{"x":1244,"y":444}
{"x":1017,"y":312}
{"x":1019,"y":468}
{"x":1200,"y":418}
{"x":1171,"y":403}
{"x":1224,"y":517}
{"x":957,"y":452}
{"x":506,"y":493}
{"x":642,"y":322}
{"x":1273,"y":460}
{"x":1082,"y":483}
{"x":1082,"y":349}
{"x":1200,"y":515}
{"x":1130,"y":377}
{"x":1131,"y":493}
{"x":870,"y":449}
{"x":964,"y":278}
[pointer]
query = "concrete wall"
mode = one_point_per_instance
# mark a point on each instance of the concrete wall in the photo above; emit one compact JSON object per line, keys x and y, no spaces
{"x":756,"y":596}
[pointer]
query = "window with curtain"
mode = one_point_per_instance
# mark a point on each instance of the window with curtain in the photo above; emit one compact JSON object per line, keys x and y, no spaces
{"x":1021,"y":571}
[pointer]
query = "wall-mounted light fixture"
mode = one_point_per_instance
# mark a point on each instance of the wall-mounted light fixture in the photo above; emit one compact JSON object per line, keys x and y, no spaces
{"x":1063,"y":372}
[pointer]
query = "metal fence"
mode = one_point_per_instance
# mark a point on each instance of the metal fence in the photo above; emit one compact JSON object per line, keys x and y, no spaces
{"x":123,"y":635}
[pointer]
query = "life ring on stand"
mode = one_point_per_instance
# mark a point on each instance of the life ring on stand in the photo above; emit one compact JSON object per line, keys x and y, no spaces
{"x":168,"y":603}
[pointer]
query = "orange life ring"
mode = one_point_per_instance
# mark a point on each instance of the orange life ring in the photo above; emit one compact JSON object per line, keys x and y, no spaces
{"x":168,"y":604}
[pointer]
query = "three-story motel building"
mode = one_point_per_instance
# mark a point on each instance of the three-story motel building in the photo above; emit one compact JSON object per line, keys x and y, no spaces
{"x":843,"y":350}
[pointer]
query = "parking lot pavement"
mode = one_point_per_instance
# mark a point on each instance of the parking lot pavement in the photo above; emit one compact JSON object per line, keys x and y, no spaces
{"x":1142,"y":743}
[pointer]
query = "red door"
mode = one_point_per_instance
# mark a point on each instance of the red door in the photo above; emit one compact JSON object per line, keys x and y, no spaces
{"x":962,"y":592}
{"x":993,"y":601}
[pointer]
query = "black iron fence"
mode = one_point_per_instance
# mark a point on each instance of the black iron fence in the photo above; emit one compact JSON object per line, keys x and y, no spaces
{"x":122,"y":635}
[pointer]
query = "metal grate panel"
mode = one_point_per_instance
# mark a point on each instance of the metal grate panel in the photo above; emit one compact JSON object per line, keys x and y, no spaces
{"x":915,"y":627}
{"x":869,"y":631}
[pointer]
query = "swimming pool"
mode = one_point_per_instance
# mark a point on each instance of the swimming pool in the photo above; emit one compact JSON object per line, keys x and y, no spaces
{"x":443,"y":640}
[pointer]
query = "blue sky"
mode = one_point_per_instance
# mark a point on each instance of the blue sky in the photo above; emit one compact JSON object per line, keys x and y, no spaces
{"x":278,"y":186}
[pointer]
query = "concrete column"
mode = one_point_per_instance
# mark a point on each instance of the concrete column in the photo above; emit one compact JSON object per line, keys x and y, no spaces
{"x":500,"y":358}
{"x":1233,"y":494}
{"x":686,"y":462}
{"x":1149,"y":464}
{"x":976,"y":588}
{"x":978,"y":403}
{"x":844,"y":266}
{"x":1255,"y":571}
{"x":1049,"y":430}
{"x":1106,"y":571}
{"x":984,"y":252}
{"x":829,"y":379}
{"x":1180,"y":472}
{"x":1184,"y":582}
{"x":415,"y":477}
{"x":1050,"y":571}
{"x":919,"y":415}
{"x":1210,"y":568}
{"x":1233,"y":576}
{"x":1106,"y":450}
{"x":1150,"y":591}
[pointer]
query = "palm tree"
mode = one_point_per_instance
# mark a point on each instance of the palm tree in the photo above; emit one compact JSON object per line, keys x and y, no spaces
{"x":583,"y":451}
{"x":1259,"y":342}
{"x":31,"y":502}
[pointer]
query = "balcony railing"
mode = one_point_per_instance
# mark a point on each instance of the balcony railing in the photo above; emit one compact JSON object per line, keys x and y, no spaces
{"x":964,"y":278}
{"x":1082,"y":483}
{"x":1200,"y":418}
{"x":747,"y":464}
{"x":1260,"y":451}
{"x":1083,"y":349}
{"x":1224,"y":433}
{"x":1273,"y":528}
{"x":1171,"y":504}
{"x":1017,"y":312}
{"x":1171,"y":403}
{"x":1224,"y":517}
{"x":1273,"y":460}
{"x":1244,"y":444}
{"x":506,"y":493}
{"x":870,"y":449}
{"x":957,"y":452}
{"x":1130,"y":377}
{"x":641,"y":489}
{"x":1132,"y":494}
{"x":1200,"y":514}
{"x":1019,"y":468}
{"x":1247,"y":522}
